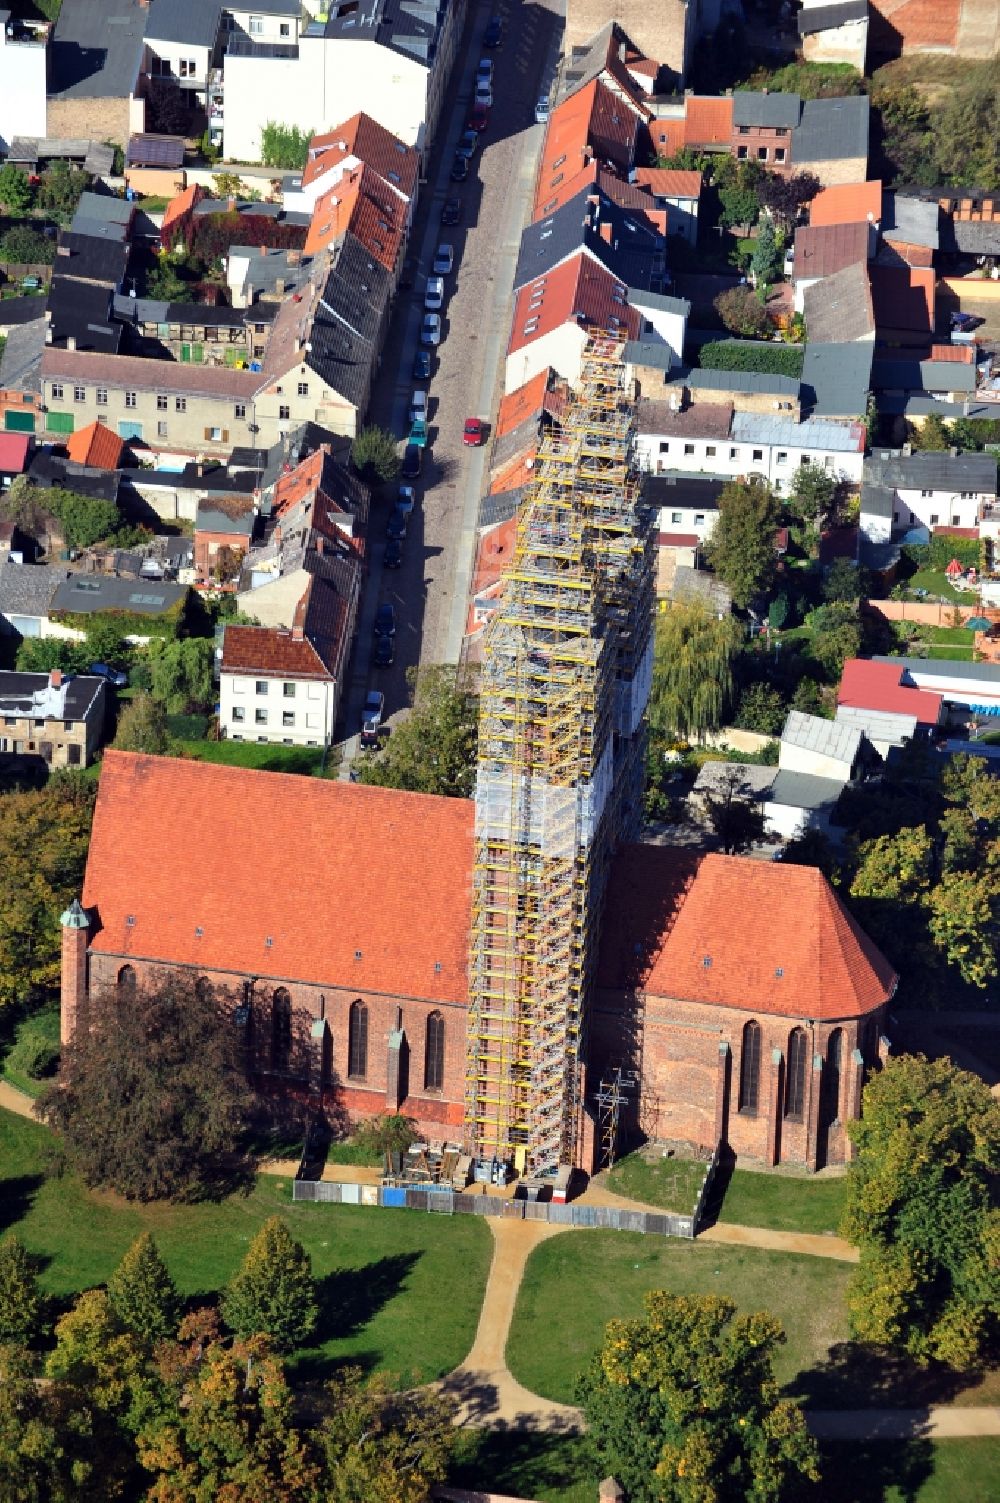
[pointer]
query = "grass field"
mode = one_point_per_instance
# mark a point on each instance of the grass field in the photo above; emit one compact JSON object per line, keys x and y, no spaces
{"x":573,"y":1285}
{"x":774,"y":1200}
{"x":304,"y":759}
{"x":936,"y":583}
{"x":399,"y":1291}
{"x":559,"y":1469}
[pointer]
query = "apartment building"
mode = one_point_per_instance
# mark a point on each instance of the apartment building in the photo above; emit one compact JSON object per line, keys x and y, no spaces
{"x":904,"y":492}
{"x":23,"y":52}
{"x":715,"y":440}
{"x":54,"y":716}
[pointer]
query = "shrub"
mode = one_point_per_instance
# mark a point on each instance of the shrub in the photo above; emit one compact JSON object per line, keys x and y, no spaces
{"x":742,"y":312}
{"x":740,"y":355}
{"x":22,"y":245}
{"x":284,"y":146}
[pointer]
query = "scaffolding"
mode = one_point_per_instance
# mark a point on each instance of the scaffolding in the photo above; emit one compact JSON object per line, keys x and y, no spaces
{"x":566,"y":669}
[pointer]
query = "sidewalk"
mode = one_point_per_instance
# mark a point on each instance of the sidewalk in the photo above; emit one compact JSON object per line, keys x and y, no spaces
{"x":13,"y":1100}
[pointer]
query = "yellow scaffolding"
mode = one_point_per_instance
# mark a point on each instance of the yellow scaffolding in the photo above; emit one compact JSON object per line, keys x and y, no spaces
{"x":566,"y":668}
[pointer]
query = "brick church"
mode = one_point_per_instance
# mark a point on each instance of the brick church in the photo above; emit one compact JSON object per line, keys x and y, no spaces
{"x":338,"y":919}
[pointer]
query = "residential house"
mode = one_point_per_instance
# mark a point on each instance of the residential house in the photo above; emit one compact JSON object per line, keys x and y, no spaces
{"x":762,"y":127}
{"x":903,"y":303}
{"x":926,"y":490}
{"x":80,"y":595}
{"x":744,"y":391}
{"x":836,"y":379}
{"x":553,"y":314}
{"x":822,"y":250}
{"x":714,"y":439}
{"x":910,"y":229}
{"x":840,"y":309}
{"x":822,"y":748}
{"x":23,"y":64}
{"x":666,"y":32}
{"x":224,"y":525}
{"x":834,"y":31}
{"x":56,"y":717}
{"x":14,"y":451}
{"x":617,"y":239}
{"x":90,"y":259}
{"x":961,"y":686}
{"x":362,"y":203}
{"x":259,"y":276}
{"x":786,"y":134}
{"x":359,"y":141}
{"x":104,"y":217}
{"x":847,"y":203}
{"x":95,"y":62}
{"x":885,"y":684}
{"x":521,"y":420}
{"x":946,"y":376}
{"x":26,"y":592}
{"x":95,"y":447}
{"x":687,"y":504}
{"x":677,"y":194}
{"x":598,"y":122}
{"x":885,"y":730}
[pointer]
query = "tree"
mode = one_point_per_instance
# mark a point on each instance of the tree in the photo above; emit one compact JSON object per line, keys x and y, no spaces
{"x":20,"y":1298}
{"x":808,"y":697}
{"x":785,"y":197}
{"x":228,"y":185}
{"x":836,"y":635}
{"x":922,"y":1208}
{"x":736,"y":183}
{"x":168,"y":108}
{"x":284,"y":146}
{"x":965,"y":923}
{"x":142,"y":1294}
{"x":741,"y":549}
{"x":766,"y":258}
{"x":734,"y":814}
{"x":26,"y":247}
{"x":16,"y":193}
{"x":164,"y":281}
{"x":762,"y":709}
{"x":85,"y":519}
{"x":380,"y":1446}
{"x":777,"y":612}
{"x":51,"y":1449}
{"x":152,"y":1097}
{"x":181,"y":674}
{"x":844,"y":581}
{"x":812,"y":848}
{"x":43,"y":849}
{"x":272,"y":1292}
{"x":966,"y":126}
{"x":811,"y":500}
{"x":682,"y":1406}
{"x":434,"y":750}
{"x":60,"y":188}
{"x":374,"y":455}
{"x":931,"y":434}
{"x":42,"y":654}
{"x":107,"y":641}
{"x":692,"y":670}
{"x":142,"y":727}
{"x":386,"y":1134}
{"x":742,"y":312}
{"x":95,"y":1354}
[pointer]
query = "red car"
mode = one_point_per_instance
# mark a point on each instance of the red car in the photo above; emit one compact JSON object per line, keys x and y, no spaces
{"x":472,"y":434}
{"x":479,"y":117}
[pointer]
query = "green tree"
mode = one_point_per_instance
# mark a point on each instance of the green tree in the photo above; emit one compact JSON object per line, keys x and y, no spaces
{"x":106,"y":639}
{"x":811,"y":501}
{"x":51,"y":1448}
{"x":386,"y":1134}
{"x":762,"y":709}
{"x":16,"y":193}
{"x":152,"y":1098}
{"x":741,"y":549}
{"x":742,"y":312}
{"x":20,"y":1298}
{"x":922,"y":1207}
{"x":374,"y":455}
{"x":736,"y":183}
{"x":844,"y":581}
{"x":931,"y":434}
{"x":42,"y":654}
{"x":682,"y":1406}
{"x":964,"y":923}
{"x":812,"y":848}
{"x":967,"y":128}
{"x":734,"y":814}
{"x":96,"y":1355}
{"x":273,"y":1293}
{"x":382,"y":1447}
{"x":43,"y":849}
{"x":60,"y":187}
{"x":693,"y":658}
{"x":164,"y":281}
{"x":434,"y":750}
{"x":284,"y":146}
{"x":836,"y":635}
{"x":142,"y":1294}
{"x":228,"y":185}
{"x":777,"y":612}
{"x":181,"y":674}
{"x":808,"y":697}
{"x":766,"y":258}
{"x":904,"y":136}
{"x":142,"y":727}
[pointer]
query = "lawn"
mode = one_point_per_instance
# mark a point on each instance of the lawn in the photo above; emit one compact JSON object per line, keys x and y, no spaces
{"x":936,"y":583}
{"x":786,"y":1203}
{"x":304,"y":759}
{"x":573,"y":1284}
{"x":400,"y":1291}
{"x":559,"y":1469}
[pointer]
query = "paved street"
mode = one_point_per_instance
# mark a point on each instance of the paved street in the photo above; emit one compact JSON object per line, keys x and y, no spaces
{"x":430,"y":590}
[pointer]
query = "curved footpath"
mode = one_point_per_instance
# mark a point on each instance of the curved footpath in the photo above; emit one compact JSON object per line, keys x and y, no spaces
{"x":489,"y":1396}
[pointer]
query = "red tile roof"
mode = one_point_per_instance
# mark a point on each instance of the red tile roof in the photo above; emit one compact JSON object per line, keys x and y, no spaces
{"x":668,"y":136}
{"x":271,"y":650}
{"x":275,"y":887}
{"x":821,"y":250}
{"x":359,"y":202}
{"x":677,"y":539}
{"x":14,"y":452}
{"x":595,"y":121}
{"x":666,"y":182}
{"x":179,"y":207}
{"x":494,"y":554}
{"x":708,"y":121}
{"x":364,"y":138}
{"x":806,"y":957}
{"x":847,"y":203}
{"x":578,"y":286}
{"x":95,"y":446}
{"x":962,"y":354}
{"x":879,"y":686}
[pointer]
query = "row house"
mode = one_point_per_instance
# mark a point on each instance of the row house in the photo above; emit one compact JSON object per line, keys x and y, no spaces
{"x":904,"y":492}
{"x":56,"y":717}
{"x":358,"y":142}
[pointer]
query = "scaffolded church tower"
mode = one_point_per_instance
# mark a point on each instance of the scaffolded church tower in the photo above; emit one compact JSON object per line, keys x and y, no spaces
{"x":567,"y":667}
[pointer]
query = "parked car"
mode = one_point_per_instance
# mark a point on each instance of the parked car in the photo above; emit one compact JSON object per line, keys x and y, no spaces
{"x":393,"y":556}
{"x":396,"y":526}
{"x":459,"y":169}
{"x":385,"y":620}
{"x":422,"y":365}
{"x":543,"y":110}
{"x":406,"y":499}
{"x":484,"y":94}
{"x":418,"y":405}
{"x":371,"y":717}
{"x":114,"y":676}
{"x":484,"y":71}
{"x":413,"y":456}
{"x":434,"y":294}
{"x":493,"y":35}
{"x":444,"y":260}
{"x":384,"y":654}
{"x":430,"y":329}
{"x":468,"y":143}
{"x":479,"y":116}
{"x":451,"y":211}
{"x":472,"y":433}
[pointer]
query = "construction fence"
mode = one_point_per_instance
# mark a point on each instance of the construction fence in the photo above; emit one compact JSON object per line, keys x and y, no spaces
{"x":456,"y":1202}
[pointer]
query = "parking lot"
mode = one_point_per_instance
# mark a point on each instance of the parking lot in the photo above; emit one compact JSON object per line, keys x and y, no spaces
{"x":429,"y":589}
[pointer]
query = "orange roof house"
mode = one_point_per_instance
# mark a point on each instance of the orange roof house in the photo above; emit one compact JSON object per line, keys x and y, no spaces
{"x":361,"y":139}
{"x":359,"y":202}
{"x":594,"y":123}
{"x":708,"y":121}
{"x":847,"y":203}
{"x":665,"y":182}
{"x":580,"y":291}
{"x":179,"y":213}
{"x":517,"y":406}
{"x":95,"y":446}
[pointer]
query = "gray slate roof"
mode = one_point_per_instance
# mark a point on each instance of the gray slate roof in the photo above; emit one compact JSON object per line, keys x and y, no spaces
{"x":912,"y":220}
{"x":770,"y":110}
{"x":839,"y":307}
{"x":194,"y":21}
{"x":973,"y":237}
{"x":96,"y":48}
{"x":649,"y":352}
{"x":878,"y":500}
{"x":835,"y":378}
{"x":27,"y":589}
{"x":21,"y":363}
{"x":814,"y":433}
{"x":923,"y":375}
{"x":828,"y":17}
{"x":762,"y":383}
{"x":75,"y":702}
{"x":83,"y":593}
{"x":831,"y":129}
{"x":824,"y":737}
{"x":678,"y":488}
{"x":879,"y":725}
{"x":987,"y":672}
{"x":932,"y":470}
{"x":802,"y":790}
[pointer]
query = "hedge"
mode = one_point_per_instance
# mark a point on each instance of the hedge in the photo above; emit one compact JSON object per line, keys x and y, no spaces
{"x":746,"y":355}
{"x":165,"y":624}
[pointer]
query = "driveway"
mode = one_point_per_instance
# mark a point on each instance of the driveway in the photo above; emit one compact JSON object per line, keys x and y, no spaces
{"x":430,"y":590}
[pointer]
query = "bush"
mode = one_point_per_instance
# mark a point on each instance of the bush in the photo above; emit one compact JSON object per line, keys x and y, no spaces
{"x":25,"y":246}
{"x":742,"y":312}
{"x":374,"y":456}
{"x":60,"y":188}
{"x":284,"y":146}
{"x":762,"y":709}
{"x":739,"y":355}
{"x":16,"y":193}
{"x":35,"y":1052}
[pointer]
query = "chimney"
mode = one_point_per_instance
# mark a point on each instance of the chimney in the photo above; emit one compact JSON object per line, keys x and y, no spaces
{"x":277,"y":537}
{"x":263,"y":250}
{"x":606,"y":232}
{"x":231,"y":205}
{"x":55,"y":678}
{"x":295,"y":258}
{"x":71,"y":341}
{"x":298,"y":635}
{"x":63,"y":250}
{"x":321,"y":546}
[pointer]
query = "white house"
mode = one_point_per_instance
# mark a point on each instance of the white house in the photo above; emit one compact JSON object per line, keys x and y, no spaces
{"x":924,"y":490}
{"x":822,"y":748}
{"x":713,"y":439}
{"x":22,"y":79}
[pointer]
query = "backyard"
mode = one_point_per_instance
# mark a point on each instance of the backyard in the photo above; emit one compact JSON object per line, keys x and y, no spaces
{"x":399,"y":1291}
